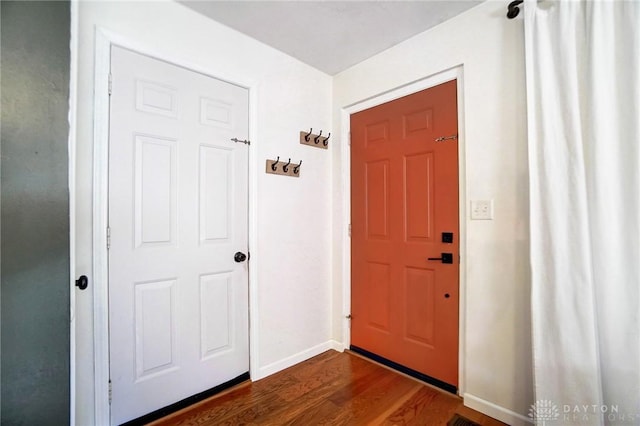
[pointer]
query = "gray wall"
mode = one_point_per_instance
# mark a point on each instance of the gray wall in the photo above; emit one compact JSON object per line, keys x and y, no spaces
{"x":34,"y":213}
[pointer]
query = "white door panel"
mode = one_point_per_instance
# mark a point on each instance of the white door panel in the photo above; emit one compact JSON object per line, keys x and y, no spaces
{"x":178,"y":303}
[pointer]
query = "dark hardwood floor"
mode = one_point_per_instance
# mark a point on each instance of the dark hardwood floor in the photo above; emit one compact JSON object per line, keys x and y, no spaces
{"x":330,"y":389}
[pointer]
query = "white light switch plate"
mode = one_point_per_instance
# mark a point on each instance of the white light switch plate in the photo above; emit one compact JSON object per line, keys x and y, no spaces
{"x":482,"y":210}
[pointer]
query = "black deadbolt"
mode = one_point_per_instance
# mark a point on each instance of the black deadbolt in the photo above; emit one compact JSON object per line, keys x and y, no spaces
{"x":447,"y":237}
{"x":240,"y":257}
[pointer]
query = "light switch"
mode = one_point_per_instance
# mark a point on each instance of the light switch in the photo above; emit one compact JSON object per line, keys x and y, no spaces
{"x":482,"y":210}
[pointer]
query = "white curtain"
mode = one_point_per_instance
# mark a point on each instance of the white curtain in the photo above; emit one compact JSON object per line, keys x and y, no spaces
{"x":583,"y":95}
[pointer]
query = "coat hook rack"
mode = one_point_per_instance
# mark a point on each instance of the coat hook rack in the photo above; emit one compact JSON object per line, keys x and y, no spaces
{"x":311,"y":139}
{"x":276,"y":167}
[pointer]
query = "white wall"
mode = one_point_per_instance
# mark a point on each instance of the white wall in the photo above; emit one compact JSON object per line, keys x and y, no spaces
{"x":300,"y":224}
{"x":497,"y":347}
{"x":293,"y":215}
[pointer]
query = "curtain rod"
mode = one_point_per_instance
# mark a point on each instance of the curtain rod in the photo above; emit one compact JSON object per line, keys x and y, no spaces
{"x":513,"y":9}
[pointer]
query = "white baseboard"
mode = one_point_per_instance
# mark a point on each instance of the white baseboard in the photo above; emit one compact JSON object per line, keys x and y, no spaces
{"x":337,"y":346}
{"x":289,"y":361}
{"x":500,"y":413}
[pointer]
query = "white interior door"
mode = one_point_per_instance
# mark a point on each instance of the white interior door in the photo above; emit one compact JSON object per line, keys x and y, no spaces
{"x":178,"y":302}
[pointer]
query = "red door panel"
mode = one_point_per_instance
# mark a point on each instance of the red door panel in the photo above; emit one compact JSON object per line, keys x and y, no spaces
{"x":404,"y":195}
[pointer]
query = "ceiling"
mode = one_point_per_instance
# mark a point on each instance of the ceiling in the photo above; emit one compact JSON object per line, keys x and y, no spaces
{"x":331,"y":35}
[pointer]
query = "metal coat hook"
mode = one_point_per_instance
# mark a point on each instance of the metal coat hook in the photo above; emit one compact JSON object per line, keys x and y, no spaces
{"x":317,"y":138}
{"x":325,"y":142}
{"x":274,"y":165}
{"x":285,"y":168}
{"x":306,"y":138}
{"x":296,"y":169}
{"x":513,"y":10}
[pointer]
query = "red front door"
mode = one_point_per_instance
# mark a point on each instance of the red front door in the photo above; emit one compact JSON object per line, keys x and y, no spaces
{"x":404,"y":200}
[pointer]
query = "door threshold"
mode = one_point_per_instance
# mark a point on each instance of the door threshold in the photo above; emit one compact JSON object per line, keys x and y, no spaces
{"x":406,"y":370}
{"x":187,"y":402}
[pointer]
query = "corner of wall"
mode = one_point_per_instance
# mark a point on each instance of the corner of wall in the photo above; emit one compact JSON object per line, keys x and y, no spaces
{"x":297,"y":358}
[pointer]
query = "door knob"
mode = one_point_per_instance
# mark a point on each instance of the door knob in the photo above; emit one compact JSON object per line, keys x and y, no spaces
{"x":82,"y":282}
{"x":240,"y":257}
{"x":444,"y":257}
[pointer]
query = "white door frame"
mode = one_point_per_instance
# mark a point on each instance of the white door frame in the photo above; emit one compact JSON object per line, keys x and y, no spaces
{"x":455,"y":73}
{"x":103,"y":42}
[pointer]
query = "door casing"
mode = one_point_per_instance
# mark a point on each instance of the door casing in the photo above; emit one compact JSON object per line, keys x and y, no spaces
{"x":457,"y":74}
{"x":104,"y":40}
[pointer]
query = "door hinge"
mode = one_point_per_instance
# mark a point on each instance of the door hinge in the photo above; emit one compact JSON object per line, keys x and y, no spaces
{"x":110,"y":392}
{"x":349,"y":317}
{"x":349,"y":138}
{"x":349,"y":230}
{"x":108,"y":237}
{"x":110,"y":83}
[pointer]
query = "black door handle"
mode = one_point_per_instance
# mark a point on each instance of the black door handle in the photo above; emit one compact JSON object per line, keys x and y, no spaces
{"x":240,"y":257}
{"x":82,"y":282}
{"x":444,"y":257}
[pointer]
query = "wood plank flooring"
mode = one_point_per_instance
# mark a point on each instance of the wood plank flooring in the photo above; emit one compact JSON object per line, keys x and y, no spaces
{"x":330,"y":389}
